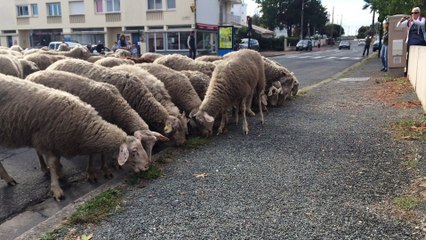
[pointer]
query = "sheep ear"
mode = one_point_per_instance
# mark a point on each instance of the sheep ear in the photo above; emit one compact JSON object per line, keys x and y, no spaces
{"x":160,"y":137}
{"x":123,"y":155}
{"x":138,"y":135}
{"x":208,"y":118}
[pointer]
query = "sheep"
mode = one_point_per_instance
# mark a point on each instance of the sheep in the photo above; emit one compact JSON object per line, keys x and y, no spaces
{"x":177,"y":84}
{"x":106,"y":99}
{"x":93,"y":59}
{"x":159,"y":91}
{"x":150,"y":57}
{"x":179,"y":62}
{"x":43,"y":60}
{"x":10,"y":65}
{"x":209,"y":58}
{"x":199,"y":81}
{"x":130,"y":87}
{"x":122,"y":53}
{"x":16,"y":48}
{"x":58,"y":124}
{"x":27,"y":67}
{"x":234,"y":82}
{"x":274,"y":73}
{"x":113,"y":61}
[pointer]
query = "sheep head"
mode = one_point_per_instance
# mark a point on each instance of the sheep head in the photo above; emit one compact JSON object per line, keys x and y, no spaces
{"x":132,"y":152}
{"x":273,"y":93}
{"x":177,"y":129}
{"x":204,"y":122}
{"x":148,"y":139}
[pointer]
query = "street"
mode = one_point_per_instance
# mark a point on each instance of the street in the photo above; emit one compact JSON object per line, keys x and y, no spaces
{"x":33,"y":188}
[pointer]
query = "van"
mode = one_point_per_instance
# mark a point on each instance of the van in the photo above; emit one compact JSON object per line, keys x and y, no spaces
{"x":55,"y":45}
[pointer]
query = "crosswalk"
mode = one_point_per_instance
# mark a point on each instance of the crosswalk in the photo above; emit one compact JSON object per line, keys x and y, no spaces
{"x":328,"y":55}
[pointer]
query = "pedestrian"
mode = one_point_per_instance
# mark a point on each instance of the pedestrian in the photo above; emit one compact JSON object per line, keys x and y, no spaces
{"x":191,"y":45}
{"x":114,"y":47}
{"x":415,"y":25}
{"x":122,"y":43}
{"x":134,"y":50}
{"x":384,"y":48}
{"x":100,"y":48}
{"x":368,"y":40}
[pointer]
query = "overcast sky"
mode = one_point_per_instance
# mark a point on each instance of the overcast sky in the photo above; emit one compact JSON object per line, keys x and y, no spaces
{"x":347,"y":12}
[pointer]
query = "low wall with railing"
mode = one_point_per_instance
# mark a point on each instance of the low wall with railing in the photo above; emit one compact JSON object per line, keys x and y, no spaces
{"x":417,"y":72}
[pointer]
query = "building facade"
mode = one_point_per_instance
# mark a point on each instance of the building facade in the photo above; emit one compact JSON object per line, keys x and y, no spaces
{"x":156,"y":25}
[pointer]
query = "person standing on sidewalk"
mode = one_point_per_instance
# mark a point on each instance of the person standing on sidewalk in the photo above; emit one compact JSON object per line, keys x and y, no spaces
{"x":191,"y":45}
{"x":368,"y":40}
{"x":384,"y":49}
{"x":415,"y":25}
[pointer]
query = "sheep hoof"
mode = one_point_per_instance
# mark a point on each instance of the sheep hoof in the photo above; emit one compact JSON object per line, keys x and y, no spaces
{"x":58,"y":194}
{"x":11,"y":182}
{"x":251,"y":113}
{"x":92,"y":178}
{"x":245,"y":131}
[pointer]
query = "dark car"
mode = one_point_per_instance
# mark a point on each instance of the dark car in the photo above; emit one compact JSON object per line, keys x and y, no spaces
{"x":254,"y":44}
{"x":304,"y":45}
{"x":376,"y":45}
{"x":344,"y":45}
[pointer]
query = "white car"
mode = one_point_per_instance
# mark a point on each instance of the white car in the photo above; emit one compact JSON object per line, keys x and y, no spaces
{"x":55,"y":45}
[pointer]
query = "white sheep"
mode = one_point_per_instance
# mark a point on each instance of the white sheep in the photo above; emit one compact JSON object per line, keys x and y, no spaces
{"x":113,"y":61}
{"x":106,"y":99}
{"x":180,"y":62}
{"x":177,"y":84}
{"x":235,"y":80}
{"x":43,"y":59}
{"x":209,"y":58}
{"x":10,"y":65}
{"x":199,"y":81}
{"x":57,"y":124}
{"x":159,"y":91}
{"x":130,"y":87}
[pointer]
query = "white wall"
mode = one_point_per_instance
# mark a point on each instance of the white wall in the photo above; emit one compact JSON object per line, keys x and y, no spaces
{"x":207,"y":12}
{"x":417,"y":72}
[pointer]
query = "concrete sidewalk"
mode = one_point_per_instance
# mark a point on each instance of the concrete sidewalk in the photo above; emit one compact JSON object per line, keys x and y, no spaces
{"x":324,"y":166}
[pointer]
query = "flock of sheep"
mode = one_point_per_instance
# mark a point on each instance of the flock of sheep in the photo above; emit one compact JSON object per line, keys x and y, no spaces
{"x":71,"y":102}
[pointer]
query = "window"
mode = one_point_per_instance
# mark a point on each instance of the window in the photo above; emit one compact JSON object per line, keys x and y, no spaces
{"x":34,"y":9}
{"x":113,"y":5}
{"x":54,"y":9}
{"x":77,"y":8}
{"x":172,"y":41}
{"x":99,"y":6}
{"x":156,"y":41}
{"x":155,"y":4}
{"x":171,"y":4}
{"x":22,"y":11}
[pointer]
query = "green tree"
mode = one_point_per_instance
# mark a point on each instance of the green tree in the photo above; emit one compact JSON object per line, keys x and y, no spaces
{"x":334,"y":30}
{"x":287,"y":14}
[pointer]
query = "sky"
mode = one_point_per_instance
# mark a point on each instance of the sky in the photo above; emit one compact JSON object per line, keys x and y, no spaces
{"x":347,"y":12}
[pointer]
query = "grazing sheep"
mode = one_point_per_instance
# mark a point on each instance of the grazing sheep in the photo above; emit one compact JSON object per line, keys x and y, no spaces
{"x":113,"y":61}
{"x":57,"y":124}
{"x":43,"y":60}
{"x":180,"y":62}
{"x":159,"y":91}
{"x":234,"y":82}
{"x":209,"y":58}
{"x":177,"y":84}
{"x":106,"y":99}
{"x":130,"y":87}
{"x":274,"y":73}
{"x":199,"y":81}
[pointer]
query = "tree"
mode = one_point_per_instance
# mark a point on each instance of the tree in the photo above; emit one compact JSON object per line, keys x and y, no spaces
{"x":337,"y":29}
{"x":287,"y":14}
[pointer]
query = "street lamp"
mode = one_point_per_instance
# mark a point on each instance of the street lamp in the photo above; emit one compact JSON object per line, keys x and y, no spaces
{"x":301,"y":20}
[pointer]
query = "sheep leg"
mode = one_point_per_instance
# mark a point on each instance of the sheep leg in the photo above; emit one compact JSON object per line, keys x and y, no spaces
{"x":55,"y":173}
{"x":245,"y":124}
{"x":6,"y":177}
{"x":104,"y":167}
{"x":91,"y":170}
{"x":236,"y":114}
{"x":42,"y":163}
{"x":223,"y":121}
{"x":262,"y":120}
{"x":248,"y":104}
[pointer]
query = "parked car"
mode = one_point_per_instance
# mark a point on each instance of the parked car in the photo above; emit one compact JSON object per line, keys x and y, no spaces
{"x":376,"y":45}
{"x":107,"y":50}
{"x":55,"y":45}
{"x":254,"y":44}
{"x":361,"y":42}
{"x":304,"y":45}
{"x":344,"y":45}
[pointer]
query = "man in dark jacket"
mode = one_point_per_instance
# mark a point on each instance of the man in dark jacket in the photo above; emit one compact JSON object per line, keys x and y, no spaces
{"x":191,"y":45}
{"x":100,"y":48}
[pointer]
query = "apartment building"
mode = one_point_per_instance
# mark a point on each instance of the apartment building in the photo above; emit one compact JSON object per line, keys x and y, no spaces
{"x":157,"y":25}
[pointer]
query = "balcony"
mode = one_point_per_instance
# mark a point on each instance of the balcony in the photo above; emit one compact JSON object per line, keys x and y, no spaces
{"x":154,"y":16}
{"x":54,"y":19}
{"x":23,"y":21}
{"x":113,"y":17}
{"x":77,"y":18}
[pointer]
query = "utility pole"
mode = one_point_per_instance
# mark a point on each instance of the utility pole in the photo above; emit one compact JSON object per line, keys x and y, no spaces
{"x":301,"y":20}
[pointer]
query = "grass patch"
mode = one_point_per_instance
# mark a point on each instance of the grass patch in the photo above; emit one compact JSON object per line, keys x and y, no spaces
{"x":410,"y":129}
{"x":98,"y":208}
{"x":406,"y":202}
{"x":153,"y":172}
{"x":411,"y":164}
{"x":49,"y":236}
{"x":164,"y":158}
{"x":196,"y":142}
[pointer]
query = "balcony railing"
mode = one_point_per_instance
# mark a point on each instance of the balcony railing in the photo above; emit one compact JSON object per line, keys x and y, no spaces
{"x":113,"y":17}
{"x":23,"y":21}
{"x":54,"y":19}
{"x":154,"y":16}
{"x":77,"y":18}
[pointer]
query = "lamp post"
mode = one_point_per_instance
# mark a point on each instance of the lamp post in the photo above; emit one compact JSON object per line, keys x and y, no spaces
{"x":301,"y":20}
